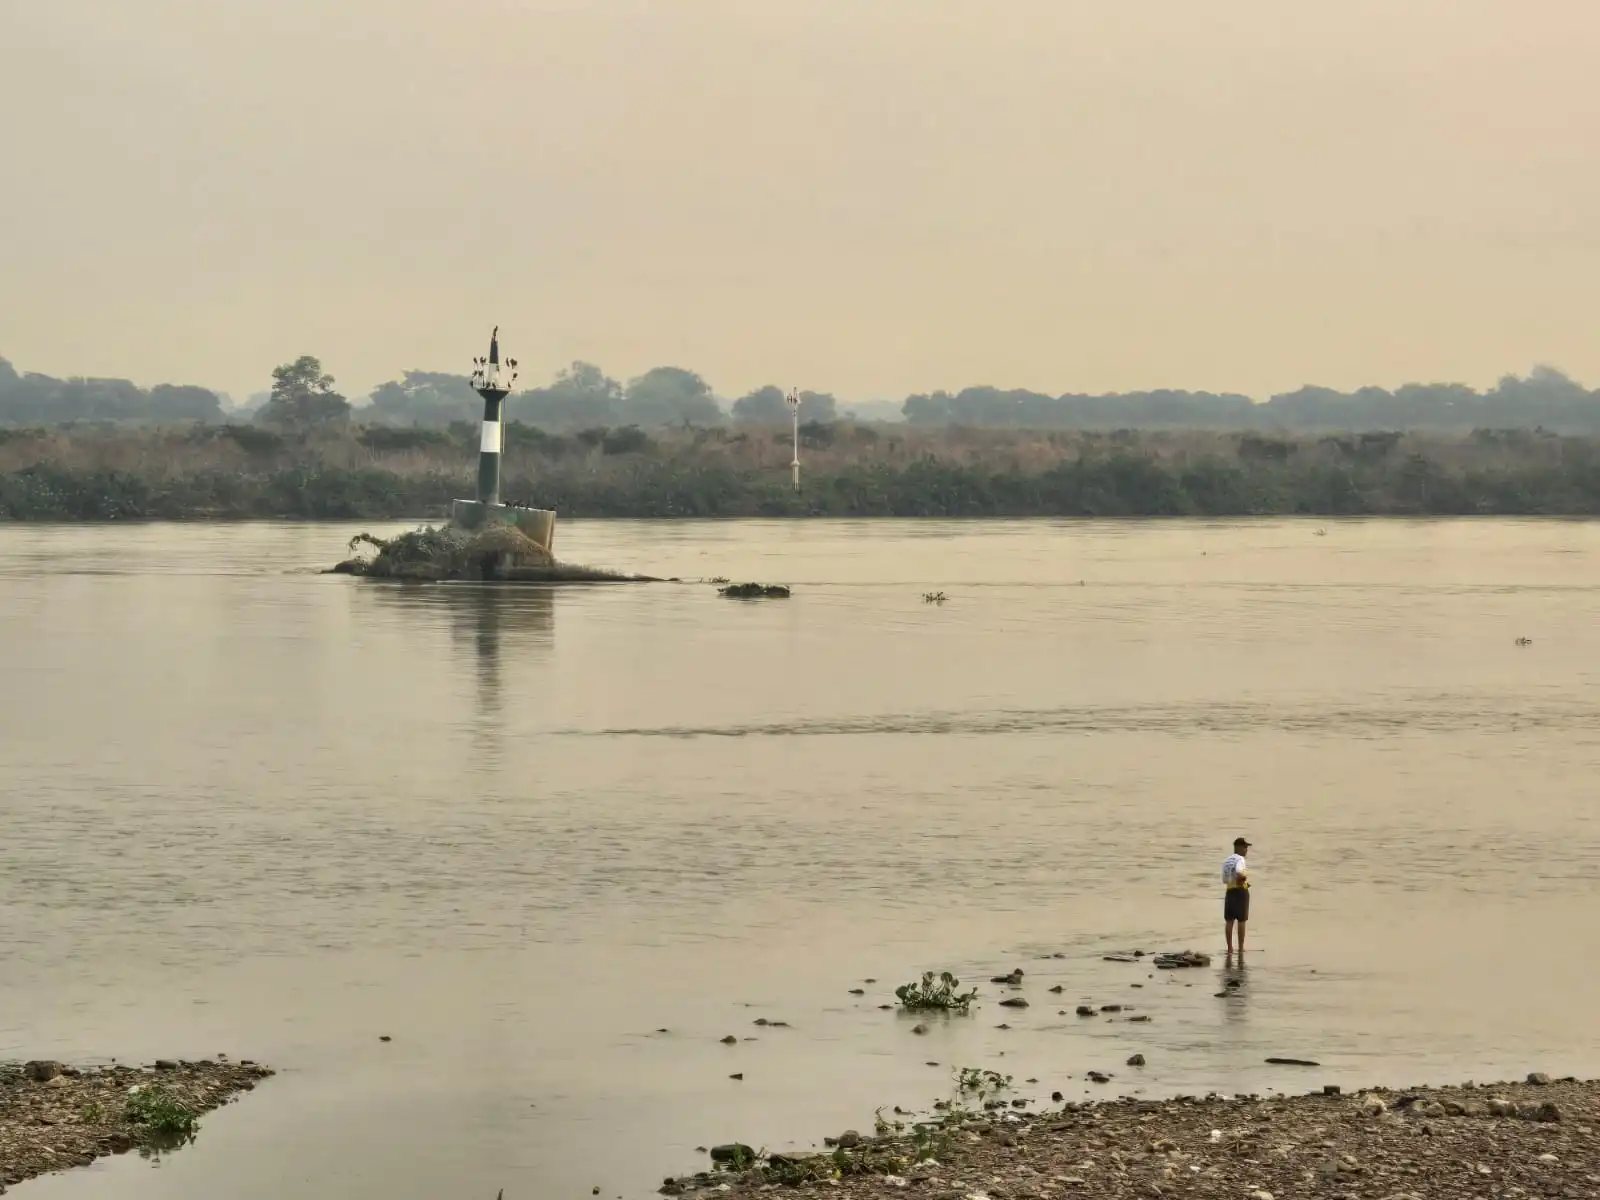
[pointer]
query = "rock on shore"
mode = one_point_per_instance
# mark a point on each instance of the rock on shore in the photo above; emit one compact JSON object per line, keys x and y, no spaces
{"x":1516,"y":1140}
{"x":54,"y":1116}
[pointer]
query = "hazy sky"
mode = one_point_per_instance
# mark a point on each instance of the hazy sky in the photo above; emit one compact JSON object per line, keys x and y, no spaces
{"x":863,"y":196}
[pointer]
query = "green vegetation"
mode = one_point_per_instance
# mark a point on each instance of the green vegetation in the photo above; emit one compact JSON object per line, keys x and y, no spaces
{"x":981,"y":1082}
{"x":200,"y":471}
{"x":661,"y":445}
{"x":940,"y":994}
{"x":158,"y":1107}
{"x":303,"y":398}
{"x":1544,"y":397}
{"x":792,"y":1171}
{"x":768,"y":406}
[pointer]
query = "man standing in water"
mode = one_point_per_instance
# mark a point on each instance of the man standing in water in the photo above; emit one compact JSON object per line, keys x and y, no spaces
{"x":1236,"y":899}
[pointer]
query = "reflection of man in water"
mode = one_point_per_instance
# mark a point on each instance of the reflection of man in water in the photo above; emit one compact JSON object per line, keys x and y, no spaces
{"x":1236,"y":897}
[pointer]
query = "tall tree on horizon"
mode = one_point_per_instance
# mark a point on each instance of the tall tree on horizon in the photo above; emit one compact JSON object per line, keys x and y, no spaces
{"x":303,"y":397}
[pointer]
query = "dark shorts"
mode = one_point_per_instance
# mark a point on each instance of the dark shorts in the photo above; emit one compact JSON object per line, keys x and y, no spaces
{"x":1236,"y":904}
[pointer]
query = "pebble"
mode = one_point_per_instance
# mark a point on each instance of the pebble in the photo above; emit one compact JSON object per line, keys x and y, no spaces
{"x":1136,"y":1061}
{"x":1014,"y":1002}
{"x":1260,"y":1149}
{"x":1539,"y":1078}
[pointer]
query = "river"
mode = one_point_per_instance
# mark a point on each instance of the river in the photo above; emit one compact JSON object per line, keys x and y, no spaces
{"x":256,"y":810}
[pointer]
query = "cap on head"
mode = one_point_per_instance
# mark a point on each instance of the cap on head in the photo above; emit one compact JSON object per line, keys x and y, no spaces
{"x":1240,"y":844}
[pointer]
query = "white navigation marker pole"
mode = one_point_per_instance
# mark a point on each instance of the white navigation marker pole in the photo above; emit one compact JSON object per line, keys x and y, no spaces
{"x":494,"y":385}
{"x":793,"y":401}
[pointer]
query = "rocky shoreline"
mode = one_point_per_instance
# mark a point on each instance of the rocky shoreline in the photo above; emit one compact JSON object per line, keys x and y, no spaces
{"x":54,"y":1116}
{"x":1470,"y":1142}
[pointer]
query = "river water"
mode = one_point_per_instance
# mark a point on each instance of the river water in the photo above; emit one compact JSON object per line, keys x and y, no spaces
{"x":255,"y":810}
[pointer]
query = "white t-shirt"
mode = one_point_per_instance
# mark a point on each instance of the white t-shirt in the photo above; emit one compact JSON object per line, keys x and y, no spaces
{"x":1232,"y":867}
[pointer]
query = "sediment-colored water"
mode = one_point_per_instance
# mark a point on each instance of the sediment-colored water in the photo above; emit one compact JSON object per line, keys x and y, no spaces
{"x":255,"y":809}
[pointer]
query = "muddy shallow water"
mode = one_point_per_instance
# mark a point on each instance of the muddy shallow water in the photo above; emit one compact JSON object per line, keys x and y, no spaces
{"x":255,"y":810}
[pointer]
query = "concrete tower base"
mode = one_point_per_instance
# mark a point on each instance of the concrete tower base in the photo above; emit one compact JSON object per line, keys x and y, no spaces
{"x":538,"y":524}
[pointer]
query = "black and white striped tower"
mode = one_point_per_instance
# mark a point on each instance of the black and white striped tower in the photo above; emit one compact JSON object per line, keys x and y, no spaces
{"x":493,"y":382}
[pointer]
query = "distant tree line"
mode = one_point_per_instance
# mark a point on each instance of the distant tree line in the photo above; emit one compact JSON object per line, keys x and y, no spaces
{"x":32,"y":399}
{"x":583,"y":396}
{"x":1545,"y":398}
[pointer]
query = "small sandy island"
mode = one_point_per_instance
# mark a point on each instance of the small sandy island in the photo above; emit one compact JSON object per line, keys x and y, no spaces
{"x":54,"y":1116}
{"x":1457,"y":1143}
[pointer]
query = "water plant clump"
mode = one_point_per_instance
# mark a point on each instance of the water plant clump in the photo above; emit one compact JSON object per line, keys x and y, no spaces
{"x":163,"y":1112}
{"x":980,"y":1081}
{"x":941,"y":994}
{"x":754,"y":591}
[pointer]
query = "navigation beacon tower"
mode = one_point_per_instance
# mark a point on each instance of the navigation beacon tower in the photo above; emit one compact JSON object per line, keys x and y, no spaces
{"x":492,"y":380}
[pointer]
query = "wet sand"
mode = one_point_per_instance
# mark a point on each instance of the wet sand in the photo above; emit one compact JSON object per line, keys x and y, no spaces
{"x":53,"y":1116}
{"x":1527,"y":1139}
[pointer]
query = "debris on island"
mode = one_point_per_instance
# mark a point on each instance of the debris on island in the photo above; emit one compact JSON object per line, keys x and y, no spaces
{"x":495,"y":553}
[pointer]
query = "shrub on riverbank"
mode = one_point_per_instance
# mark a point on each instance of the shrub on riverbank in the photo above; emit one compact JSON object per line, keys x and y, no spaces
{"x":212,"y":472}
